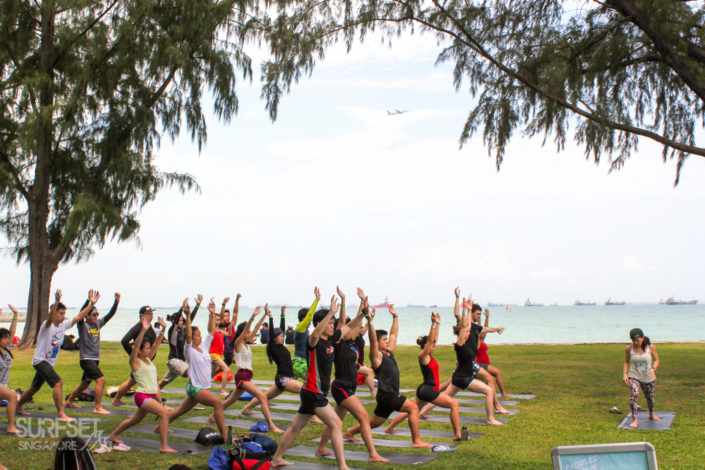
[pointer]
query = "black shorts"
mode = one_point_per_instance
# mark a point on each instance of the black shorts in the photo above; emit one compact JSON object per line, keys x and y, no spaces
{"x":91,"y":371}
{"x":388,"y":402}
{"x":310,"y":401}
{"x":280,"y":381}
{"x":228,"y":357}
{"x":342,"y":390}
{"x":45,"y":373}
{"x":483,"y":365}
{"x":462,"y":380}
{"x":425,"y":392}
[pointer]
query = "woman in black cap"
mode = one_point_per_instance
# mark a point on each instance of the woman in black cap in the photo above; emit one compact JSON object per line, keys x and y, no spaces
{"x":640,"y":364}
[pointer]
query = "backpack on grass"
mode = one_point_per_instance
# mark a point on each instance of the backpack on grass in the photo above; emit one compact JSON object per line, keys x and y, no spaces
{"x":72,"y":453}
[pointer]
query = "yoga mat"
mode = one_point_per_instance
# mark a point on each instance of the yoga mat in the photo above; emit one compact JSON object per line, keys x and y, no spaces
{"x":398,"y":459}
{"x":463,"y":419}
{"x":288,"y":397}
{"x":403,"y":430}
{"x":114,"y":411}
{"x":236,"y":423}
{"x":177,"y":391}
{"x":43,"y":414}
{"x":316,"y":466}
{"x":646,"y":424}
{"x":152,"y":445}
{"x":468,"y":401}
{"x":523,"y":396}
{"x":387,"y":442}
{"x":259,"y":416}
{"x":182,"y":433}
{"x":467,"y":409}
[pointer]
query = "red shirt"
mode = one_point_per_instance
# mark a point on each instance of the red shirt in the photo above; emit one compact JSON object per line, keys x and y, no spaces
{"x":217,"y":344}
{"x":482,"y":356}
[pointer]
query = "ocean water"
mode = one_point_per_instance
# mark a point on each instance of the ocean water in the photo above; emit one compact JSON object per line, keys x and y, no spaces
{"x":523,"y":325}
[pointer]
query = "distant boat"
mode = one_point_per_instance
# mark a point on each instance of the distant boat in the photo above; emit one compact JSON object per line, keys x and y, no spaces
{"x":615,"y":302}
{"x":495,"y":304}
{"x":433,"y":306}
{"x":384,"y":304}
{"x":672,"y":301}
{"x":529,"y":303}
{"x":581,"y":303}
{"x":415,"y":306}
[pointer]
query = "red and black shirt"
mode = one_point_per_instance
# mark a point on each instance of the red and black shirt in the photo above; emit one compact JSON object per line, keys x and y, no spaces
{"x":320,"y":364}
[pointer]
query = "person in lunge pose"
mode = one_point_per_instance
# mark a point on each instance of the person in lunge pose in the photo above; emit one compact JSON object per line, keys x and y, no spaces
{"x":640,"y":364}
{"x":428,"y":391}
{"x":147,"y":396}
{"x":89,"y":358}
{"x":5,"y":365}
{"x":176,"y":361}
{"x":49,"y":341}
{"x":313,"y":396}
{"x":483,"y":358}
{"x":345,"y":384}
{"x":279,"y":355}
{"x":243,"y":360}
{"x":199,"y":371}
{"x":385,"y":366}
{"x":217,"y":351}
{"x":150,"y":336}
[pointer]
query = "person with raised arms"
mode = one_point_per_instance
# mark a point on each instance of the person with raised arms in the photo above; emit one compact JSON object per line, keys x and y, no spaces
{"x":279,"y":355}
{"x":217,"y":351}
{"x":385,"y":366}
{"x":345,"y":384}
{"x":6,"y":358}
{"x":199,"y":371}
{"x":49,"y":341}
{"x":89,"y":327}
{"x":176,"y":336}
{"x":243,"y":360}
{"x":147,"y":395}
{"x":127,"y":341}
{"x":321,"y":352}
{"x":428,"y":391}
{"x":301,"y":338}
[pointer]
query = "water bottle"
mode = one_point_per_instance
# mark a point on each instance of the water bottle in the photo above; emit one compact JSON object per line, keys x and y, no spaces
{"x":229,"y":440}
{"x":464,"y":433}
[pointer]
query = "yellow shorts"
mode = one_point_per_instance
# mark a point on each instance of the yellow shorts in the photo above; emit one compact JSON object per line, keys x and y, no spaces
{"x":215,"y":357}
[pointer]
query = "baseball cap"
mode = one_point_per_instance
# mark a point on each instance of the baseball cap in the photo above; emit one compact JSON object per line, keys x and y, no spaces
{"x":146,"y":309}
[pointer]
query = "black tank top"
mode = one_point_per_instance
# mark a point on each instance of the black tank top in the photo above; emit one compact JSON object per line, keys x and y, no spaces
{"x":346,"y":360}
{"x":388,"y":373}
{"x":430,"y":373}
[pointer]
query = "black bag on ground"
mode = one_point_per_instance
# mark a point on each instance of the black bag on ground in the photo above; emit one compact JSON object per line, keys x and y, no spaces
{"x":237,"y":453}
{"x":269,"y":445}
{"x":209,"y":437}
{"x":87,"y":395}
{"x":72,"y":453}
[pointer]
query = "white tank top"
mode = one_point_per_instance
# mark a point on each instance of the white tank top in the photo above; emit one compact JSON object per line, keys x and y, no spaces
{"x":640,"y":365}
{"x":243,"y":359}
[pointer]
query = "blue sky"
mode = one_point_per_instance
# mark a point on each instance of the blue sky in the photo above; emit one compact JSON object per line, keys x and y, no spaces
{"x":336,"y":191}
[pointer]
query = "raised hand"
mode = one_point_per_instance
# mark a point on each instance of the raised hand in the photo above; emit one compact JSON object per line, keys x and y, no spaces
{"x":162,"y":323}
{"x":340,"y":294}
{"x":317,"y":293}
{"x":14,"y":310}
{"x":283,"y":309}
{"x":226,"y":300}
{"x":145,"y":322}
{"x":256,"y":312}
{"x":360,"y":293}
{"x":95,"y":297}
{"x":457,"y":292}
{"x":211,"y":306}
{"x":392,"y":311}
{"x":334,"y":305}
{"x":57,"y":295}
{"x":186,"y":308}
{"x":237,"y":297}
{"x":487,"y":313}
{"x":90,"y":293}
{"x":267,"y":311}
{"x":117,"y":296}
{"x":199,"y":299}
{"x":371,"y":315}
{"x":438,"y":318}
{"x":184,"y":304}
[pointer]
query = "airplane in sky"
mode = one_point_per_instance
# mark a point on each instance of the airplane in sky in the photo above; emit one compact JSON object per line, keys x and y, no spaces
{"x":396,"y":112}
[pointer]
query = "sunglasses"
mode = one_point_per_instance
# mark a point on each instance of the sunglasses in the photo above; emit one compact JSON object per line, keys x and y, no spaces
{"x":636,"y":338}
{"x":93,"y":314}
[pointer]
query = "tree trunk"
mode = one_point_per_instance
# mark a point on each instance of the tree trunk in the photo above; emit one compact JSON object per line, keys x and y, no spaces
{"x":41,"y":273}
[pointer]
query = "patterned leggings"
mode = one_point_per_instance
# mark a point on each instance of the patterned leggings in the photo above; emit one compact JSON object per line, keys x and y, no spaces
{"x":647,"y":387}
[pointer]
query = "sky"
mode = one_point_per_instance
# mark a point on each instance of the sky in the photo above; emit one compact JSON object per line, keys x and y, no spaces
{"x":338,"y":192}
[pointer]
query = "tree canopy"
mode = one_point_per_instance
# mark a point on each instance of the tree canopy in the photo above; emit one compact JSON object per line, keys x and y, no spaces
{"x":607,"y":71}
{"x":87,"y":89}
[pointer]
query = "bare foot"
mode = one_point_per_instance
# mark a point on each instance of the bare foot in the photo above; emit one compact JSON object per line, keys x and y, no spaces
{"x":99,"y":410}
{"x":247,"y":412}
{"x":654,"y":418}
{"x":421,"y":444}
{"x":323,"y":452}
{"x":502,"y":411}
{"x":115,"y":440}
{"x":350,"y":438}
{"x":506,"y":395}
{"x":64,"y":418}
{"x":69,"y":404}
{"x":281,"y":463}
{"x":211,"y":419}
{"x":378,"y":458}
{"x":20,"y":411}
{"x":391,"y":431}
{"x":118,"y":403}
{"x":276,"y":429}
{"x":167,"y":450}
{"x":494,"y":422}
{"x":14,"y":430}
{"x":316,"y":420}
{"x":423,"y":416}
{"x":224,"y":394}
{"x":634,"y":424}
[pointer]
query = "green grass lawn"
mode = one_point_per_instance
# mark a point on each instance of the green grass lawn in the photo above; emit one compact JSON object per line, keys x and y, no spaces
{"x":575,"y":386}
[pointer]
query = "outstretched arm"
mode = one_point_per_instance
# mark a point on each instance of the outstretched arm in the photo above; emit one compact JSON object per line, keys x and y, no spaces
{"x":301,"y":327}
{"x":425,"y":354}
{"x":198,"y":299}
{"x":342,"y":305}
{"x":54,"y":308}
{"x":134,"y":361}
{"x":282,"y":321}
{"x":394,"y":330}
{"x":113,"y":309}
{"x":375,"y":355}
{"x":456,"y":308}
{"x":93,"y":296}
{"x":187,"y":310}
{"x":266,"y":313}
{"x":13,"y":325}
{"x":211,"y":319}
{"x":155,"y":347}
{"x":321,"y":327}
{"x":222,"y":308}
{"x":238,"y":341}
{"x":353,"y":326}
{"x":236,"y":309}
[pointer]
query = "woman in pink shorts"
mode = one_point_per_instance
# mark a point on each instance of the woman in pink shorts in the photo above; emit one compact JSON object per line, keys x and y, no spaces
{"x":147,"y":396}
